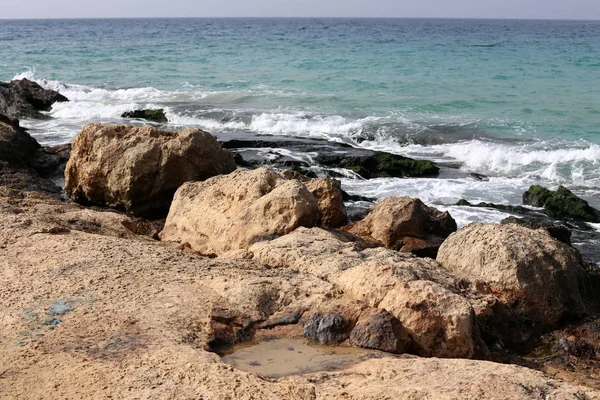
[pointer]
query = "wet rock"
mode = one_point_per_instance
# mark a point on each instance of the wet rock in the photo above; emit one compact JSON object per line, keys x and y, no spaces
{"x":25,"y":99}
{"x":501,"y":207}
{"x":536,"y":276}
{"x":380,"y":330}
{"x":52,"y":161}
{"x":328,"y":328}
{"x":406,"y":225}
{"x":379,"y":164}
{"x":561,"y":203}
{"x":138,"y":169}
{"x":157,"y":115}
{"x":234,"y":211}
{"x":536,"y":196}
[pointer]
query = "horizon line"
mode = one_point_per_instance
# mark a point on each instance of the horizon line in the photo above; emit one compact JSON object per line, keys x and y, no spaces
{"x":307,"y":17}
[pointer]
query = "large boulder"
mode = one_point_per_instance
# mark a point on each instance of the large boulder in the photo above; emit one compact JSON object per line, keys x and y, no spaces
{"x":25,"y":99}
{"x":538,"y":277}
{"x":235,"y":211}
{"x":561,"y":203}
{"x":406,"y":225}
{"x":138,"y":169}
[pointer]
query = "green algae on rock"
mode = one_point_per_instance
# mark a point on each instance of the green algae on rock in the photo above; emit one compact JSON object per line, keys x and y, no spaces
{"x":561,"y":203}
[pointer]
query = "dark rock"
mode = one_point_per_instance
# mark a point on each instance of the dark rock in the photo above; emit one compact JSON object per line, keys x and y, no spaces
{"x":355,"y":197}
{"x":536,"y":196}
{"x":329,"y":328}
{"x":564,"y":204}
{"x":51,"y":161}
{"x":380,"y":330}
{"x":17,"y":147}
{"x":289,"y":318}
{"x":379,"y":164}
{"x":25,"y":99}
{"x":501,"y":207}
{"x":157,"y":115}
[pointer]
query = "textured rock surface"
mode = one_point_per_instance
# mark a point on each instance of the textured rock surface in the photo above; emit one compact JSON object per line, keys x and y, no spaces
{"x":138,"y":169}
{"x":328,"y":193}
{"x":380,"y":330}
{"x":25,"y":99}
{"x":416,"y":291}
{"x":537,"y":276}
{"x":95,"y":315}
{"x":406,"y":225}
{"x":234,"y":211}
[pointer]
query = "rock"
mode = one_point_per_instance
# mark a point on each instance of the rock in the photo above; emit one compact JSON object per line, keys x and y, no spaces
{"x":558,"y":232}
{"x":138,"y":169}
{"x":329,"y":328}
{"x":17,"y":147}
{"x":406,"y":225}
{"x":441,"y":323}
{"x":380,"y":164}
{"x":52,"y":161}
{"x":380,"y":330}
{"x":25,"y":99}
{"x":561,"y":203}
{"x":536,"y":196}
{"x":235,"y":211}
{"x":538,"y":277}
{"x":328,"y":193}
{"x":150,"y":115}
{"x":274,"y":151}
{"x":501,"y":207}
{"x":376,"y":277}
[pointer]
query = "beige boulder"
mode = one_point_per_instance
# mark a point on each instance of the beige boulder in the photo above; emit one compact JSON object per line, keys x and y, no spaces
{"x":234,"y":211}
{"x":138,"y":169}
{"x":407,"y":225}
{"x":328,"y":193}
{"x":441,"y":323}
{"x":535,"y":275}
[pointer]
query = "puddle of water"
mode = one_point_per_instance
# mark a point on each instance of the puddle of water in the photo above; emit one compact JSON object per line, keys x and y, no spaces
{"x":282,"y":357}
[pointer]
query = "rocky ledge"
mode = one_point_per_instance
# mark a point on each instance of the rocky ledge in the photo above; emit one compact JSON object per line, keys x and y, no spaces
{"x":100,"y":303}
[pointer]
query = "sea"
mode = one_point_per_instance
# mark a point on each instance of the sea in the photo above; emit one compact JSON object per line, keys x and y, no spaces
{"x":509,"y":102}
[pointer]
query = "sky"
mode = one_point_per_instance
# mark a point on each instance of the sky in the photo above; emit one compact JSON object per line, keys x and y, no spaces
{"x":534,"y":9}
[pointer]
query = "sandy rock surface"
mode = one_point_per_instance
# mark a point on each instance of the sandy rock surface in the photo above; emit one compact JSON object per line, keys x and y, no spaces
{"x":328,"y":193}
{"x":108,"y":314}
{"x":138,"y":169}
{"x":540,"y":278}
{"x":232,"y":212}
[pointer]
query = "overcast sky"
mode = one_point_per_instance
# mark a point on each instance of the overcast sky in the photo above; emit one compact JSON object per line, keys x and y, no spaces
{"x":566,"y":9}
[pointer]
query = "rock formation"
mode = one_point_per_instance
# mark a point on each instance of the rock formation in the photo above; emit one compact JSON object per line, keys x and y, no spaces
{"x":138,"y":169}
{"x":25,"y":99}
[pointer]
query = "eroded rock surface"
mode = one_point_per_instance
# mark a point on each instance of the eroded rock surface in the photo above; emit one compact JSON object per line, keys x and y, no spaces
{"x":25,"y":99}
{"x":406,"y":225}
{"x":234,"y":211}
{"x":138,"y":169}
{"x":540,"y":278}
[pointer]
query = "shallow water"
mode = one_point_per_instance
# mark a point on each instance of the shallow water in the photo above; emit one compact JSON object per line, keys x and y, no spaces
{"x":283,"y":357}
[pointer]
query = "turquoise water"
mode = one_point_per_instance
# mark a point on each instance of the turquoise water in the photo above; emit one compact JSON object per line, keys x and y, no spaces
{"x":517,"y":101}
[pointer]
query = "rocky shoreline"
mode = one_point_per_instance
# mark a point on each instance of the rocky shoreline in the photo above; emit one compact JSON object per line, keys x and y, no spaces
{"x":164,"y":252}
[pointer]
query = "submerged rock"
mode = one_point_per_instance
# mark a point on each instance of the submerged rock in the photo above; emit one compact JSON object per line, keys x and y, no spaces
{"x":138,"y":169}
{"x":536,"y":276}
{"x":25,"y":99}
{"x":234,"y":211}
{"x":561,"y":203}
{"x":406,"y":225}
{"x":157,"y":115}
